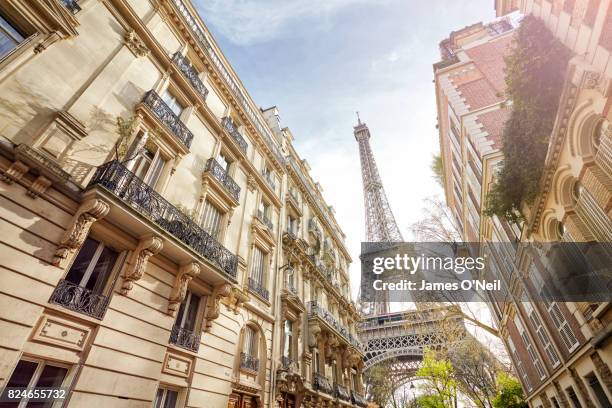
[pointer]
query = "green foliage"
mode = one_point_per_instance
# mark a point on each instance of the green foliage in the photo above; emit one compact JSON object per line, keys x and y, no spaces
{"x":535,"y":71}
{"x":509,"y":394}
{"x":439,"y":381}
{"x":437,"y":167}
{"x":429,"y":401}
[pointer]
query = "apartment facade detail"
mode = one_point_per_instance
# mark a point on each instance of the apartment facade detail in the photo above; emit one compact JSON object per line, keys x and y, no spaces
{"x":560,"y":350}
{"x":157,"y":247}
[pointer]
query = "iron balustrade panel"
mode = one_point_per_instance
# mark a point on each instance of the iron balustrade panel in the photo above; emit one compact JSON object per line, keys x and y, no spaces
{"x":184,"y":338}
{"x":321,"y":383}
{"x":287,"y":362}
{"x":72,"y":5}
{"x":259,"y":288}
{"x":249,"y":362}
{"x":228,"y":124}
{"x":126,"y":186}
{"x":80,"y":299}
{"x":220,"y":174}
{"x":168,"y":117}
{"x":316,"y":310}
{"x":341,"y":392}
{"x":192,"y":75}
{"x":265,"y":220}
{"x":358,"y":399}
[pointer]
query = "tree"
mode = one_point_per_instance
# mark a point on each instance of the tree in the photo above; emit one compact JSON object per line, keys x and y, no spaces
{"x":438,"y":379}
{"x":510,"y":393}
{"x":437,"y":167}
{"x":382,"y":385}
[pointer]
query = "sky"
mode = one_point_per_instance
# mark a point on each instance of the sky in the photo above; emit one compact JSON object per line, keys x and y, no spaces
{"x":319,"y":61}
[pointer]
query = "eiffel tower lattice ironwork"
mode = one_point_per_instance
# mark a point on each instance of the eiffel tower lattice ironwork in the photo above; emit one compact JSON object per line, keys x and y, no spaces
{"x":380,"y":222}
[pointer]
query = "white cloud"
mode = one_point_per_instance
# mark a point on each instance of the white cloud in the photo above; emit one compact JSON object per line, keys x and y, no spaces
{"x":249,"y":22}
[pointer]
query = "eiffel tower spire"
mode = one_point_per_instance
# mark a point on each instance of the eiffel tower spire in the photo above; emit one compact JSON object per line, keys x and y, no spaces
{"x":379,"y":219}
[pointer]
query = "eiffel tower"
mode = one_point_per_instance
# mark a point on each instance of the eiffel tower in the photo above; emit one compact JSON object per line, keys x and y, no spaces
{"x":379,"y":219}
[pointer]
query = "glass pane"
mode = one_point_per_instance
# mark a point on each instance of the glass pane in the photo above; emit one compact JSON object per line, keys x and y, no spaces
{"x":21,"y":378}
{"x":171,"y":397}
{"x":143,"y":162}
{"x":158,"y":398}
{"x":155,"y":172}
{"x":102,"y":270}
{"x":78,"y":268}
{"x":51,"y":377}
{"x":192,"y":312}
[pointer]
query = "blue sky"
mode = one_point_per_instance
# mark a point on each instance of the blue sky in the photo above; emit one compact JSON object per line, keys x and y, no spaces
{"x":319,"y":61}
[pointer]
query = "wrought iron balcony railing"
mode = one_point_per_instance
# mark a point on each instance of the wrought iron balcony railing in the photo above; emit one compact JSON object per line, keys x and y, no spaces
{"x":321,"y":383}
{"x":184,"y":338}
{"x":214,"y":168}
{"x":168,"y":118}
{"x":258,"y":287}
{"x":316,"y":310}
{"x":265,"y":220}
{"x":192,"y":75}
{"x":288,"y":363}
{"x":123,"y":184}
{"x":341,"y":392}
{"x":228,"y":124}
{"x":240,"y":95}
{"x":249,"y":362}
{"x":358,"y":399}
{"x":72,"y":5}
{"x":80,"y":299}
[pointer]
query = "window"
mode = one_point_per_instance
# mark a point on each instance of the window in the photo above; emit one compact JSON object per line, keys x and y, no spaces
{"x":186,"y":318}
{"x":519,"y":364}
{"x":249,"y":347}
{"x":258,"y":265}
{"x":554,"y":402}
{"x":10,"y":37}
{"x":542,"y":335}
{"x":317,"y":364}
{"x":93,"y":265}
{"x":567,"y":335}
{"x":35,"y":373}
{"x":211,"y":220}
{"x":288,"y":345}
{"x":291,"y":278}
{"x":224,"y":162}
{"x":530,"y":348}
{"x":165,"y":398}
{"x":173,"y":103}
{"x":148,"y":166}
{"x":599,"y":392}
{"x":292,"y":225}
{"x":573,"y":397}
{"x":265,"y":209}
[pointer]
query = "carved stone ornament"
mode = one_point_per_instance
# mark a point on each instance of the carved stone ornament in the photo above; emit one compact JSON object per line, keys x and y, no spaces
{"x":137,"y":263}
{"x":214,"y":309}
{"x":314,"y":331}
{"x":74,"y":236}
{"x":236,"y":299}
{"x":179,"y":290}
{"x":251,"y":183}
{"x":14,"y":172}
{"x":135,"y":44}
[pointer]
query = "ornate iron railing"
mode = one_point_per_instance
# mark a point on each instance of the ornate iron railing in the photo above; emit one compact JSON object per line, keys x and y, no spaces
{"x":249,"y":362}
{"x":229,"y":125}
{"x":288,"y":363}
{"x":269,"y":180}
{"x":265,"y":220}
{"x":358,"y":400}
{"x":214,"y":168}
{"x":80,"y":299}
{"x":321,"y":383}
{"x":192,"y":75}
{"x":240,"y":96}
{"x":169,"y":118}
{"x":316,"y":310}
{"x":124,"y":184}
{"x":341,"y":392}
{"x":184,"y":338}
{"x":43,"y":160}
{"x":259,"y":288}
{"x":72,"y":5}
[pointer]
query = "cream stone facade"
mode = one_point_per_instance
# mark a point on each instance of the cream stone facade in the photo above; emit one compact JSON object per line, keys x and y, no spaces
{"x":180,"y":256}
{"x":561,"y":351}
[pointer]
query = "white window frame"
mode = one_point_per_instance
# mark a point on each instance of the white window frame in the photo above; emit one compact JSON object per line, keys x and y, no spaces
{"x":563,"y":327}
{"x":531,"y":350}
{"x":519,"y":364}
{"x":553,"y":357}
{"x":165,"y":389}
{"x":36,"y":376}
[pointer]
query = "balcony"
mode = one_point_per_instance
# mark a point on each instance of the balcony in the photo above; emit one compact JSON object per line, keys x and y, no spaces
{"x":312,"y":226}
{"x":269,"y":180}
{"x":358,"y":400}
{"x":80,"y":299}
{"x":228,"y":124}
{"x":265,"y":220}
{"x":259,"y":289}
{"x":249,"y":363}
{"x":72,"y":5}
{"x":132,"y":191}
{"x":317,"y":311}
{"x":218,"y":173}
{"x":321,"y":383}
{"x":172,"y":122}
{"x":184,"y":338}
{"x":341,"y":392}
{"x":192,"y":75}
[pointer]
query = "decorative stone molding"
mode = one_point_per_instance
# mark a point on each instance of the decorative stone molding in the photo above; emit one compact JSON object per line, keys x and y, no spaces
{"x":135,"y":44}
{"x":14,"y":173}
{"x":74,"y":236}
{"x":251,"y":183}
{"x":236,"y":299}
{"x":214,"y":309}
{"x":177,"y":364}
{"x":61,"y":332}
{"x":137,"y":263}
{"x":38,"y":186}
{"x":314,"y":333}
{"x":179,"y":290}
